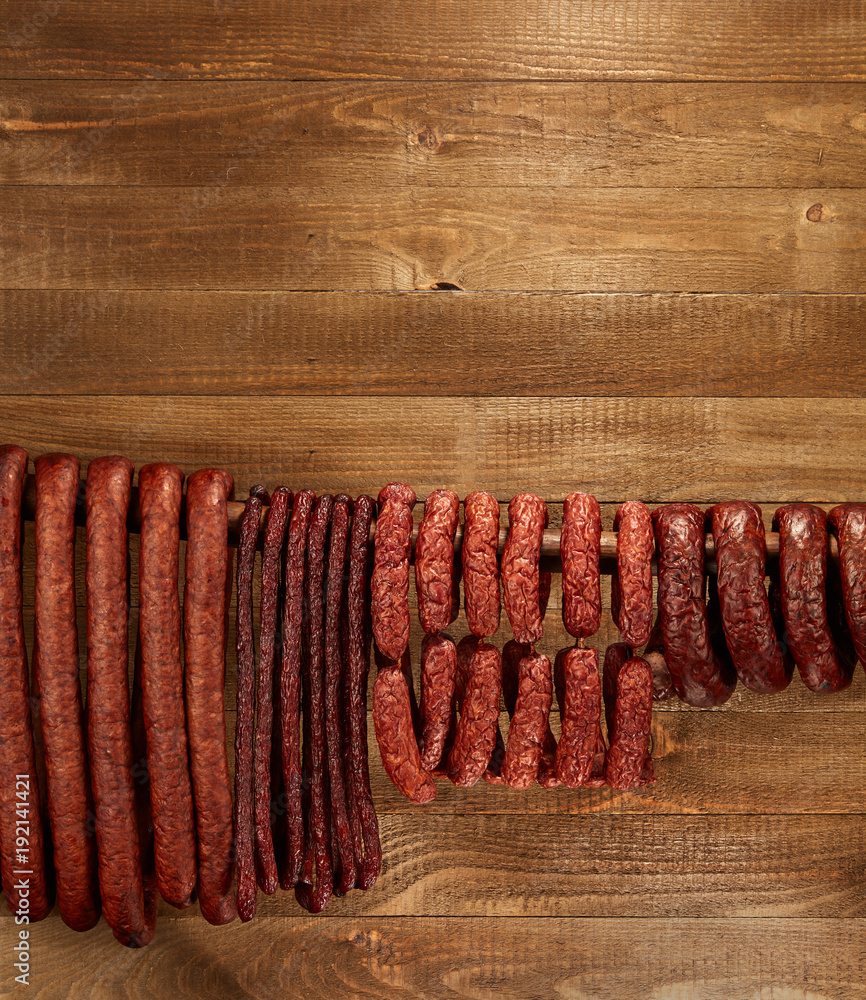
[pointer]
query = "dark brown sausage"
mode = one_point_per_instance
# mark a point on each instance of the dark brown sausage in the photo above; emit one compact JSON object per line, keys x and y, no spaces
{"x":700,"y":677}
{"x":272,"y":547}
{"x":629,"y":762}
{"x":434,"y":560}
{"x":160,"y":491}
{"x":803,"y":546}
{"x":290,"y":683}
{"x":475,"y":737}
{"x":632,"y":583}
{"x":362,"y":813}
{"x":22,"y":847}
{"x":848,"y":521}
{"x":109,"y":723}
{"x":527,"y":518}
{"x":580,"y":710}
{"x":438,"y":672}
{"x":70,"y":803}
{"x":580,"y":549}
{"x":529,"y":722}
{"x":390,"y":583}
{"x":204,"y":615}
{"x":248,"y":536}
{"x":741,"y":553}
{"x":480,"y":568}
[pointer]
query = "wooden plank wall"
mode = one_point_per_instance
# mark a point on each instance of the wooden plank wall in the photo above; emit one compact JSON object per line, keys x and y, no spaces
{"x":615,"y":246}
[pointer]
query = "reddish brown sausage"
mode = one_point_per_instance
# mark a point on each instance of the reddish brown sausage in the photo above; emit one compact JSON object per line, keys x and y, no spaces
{"x":700,"y":677}
{"x":204,"y":611}
{"x":21,"y":842}
{"x":512,"y":653}
{"x":527,"y":518}
{"x":738,"y":536}
{"x":438,"y":672}
{"x":128,"y":911}
{"x":629,"y":762}
{"x":434,"y":560}
{"x":480,"y":568}
{"x":848,"y":521}
{"x":580,"y":708}
{"x":70,"y":803}
{"x":390,"y":583}
{"x":529,"y":722}
{"x":160,"y":491}
{"x":632,"y":583}
{"x":475,"y":737}
{"x":654,"y":654}
{"x":803,"y":546}
{"x":580,"y":549}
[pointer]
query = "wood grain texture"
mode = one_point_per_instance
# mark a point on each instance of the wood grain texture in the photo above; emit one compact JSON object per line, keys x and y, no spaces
{"x":533,"y":39}
{"x":657,"y":450}
{"x":218,"y":343}
{"x":585,"y":135}
{"x":486,"y":958}
{"x":579,"y":239}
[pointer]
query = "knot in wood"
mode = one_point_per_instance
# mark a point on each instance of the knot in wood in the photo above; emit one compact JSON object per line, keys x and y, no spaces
{"x":815,"y":213}
{"x":428,"y":139}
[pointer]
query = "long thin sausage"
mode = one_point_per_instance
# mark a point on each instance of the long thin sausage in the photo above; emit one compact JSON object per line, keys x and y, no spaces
{"x":70,"y":801}
{"x":204,"y":611}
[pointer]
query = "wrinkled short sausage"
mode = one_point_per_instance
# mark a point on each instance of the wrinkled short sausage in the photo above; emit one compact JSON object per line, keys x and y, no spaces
{"x":580,"y":711}
{"x":629,"y":762}
{"x":390,"y":584}
{"x":476,"y":729}
{"x":580,"y":549}
{"x":632,"y":583}
{"x":848,"y":521}
{"x":527,"y":518}
{"x":434,"y":560}
{"x":438,"y":671}
{"x":480,"y":568}
{"x":529,"y":722}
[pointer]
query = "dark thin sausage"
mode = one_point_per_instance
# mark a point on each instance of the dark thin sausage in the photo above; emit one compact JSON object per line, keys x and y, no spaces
{"x":438,"y":673}
{"x":390,"y":583}
{"x":109,"y":721}
{"x":700,"y":677}
{"x":290,"y":683}
{"x":480,"y":568}
{"x":475,"y":737}
{"x":204,"y":612}
{"x":343,"y":849}
{"x":629,"y":762}
{"x":70,"y":803}
{"x":529,"y":722}
{"x":160,"y":491}
{"x":803,"y":546}
{"x":19,"y":784}
{"x":527,"y":518}
{"x":318,"y":821}
{"x":579,"y":693}
{"x":362,"y":813}
{"x":632,"y":583}
{"x":248,"y":535}
{"x":580,"y":549}
{"x":848,"y":521}
{"x":434,"y":560}
{"x":263,"y":781}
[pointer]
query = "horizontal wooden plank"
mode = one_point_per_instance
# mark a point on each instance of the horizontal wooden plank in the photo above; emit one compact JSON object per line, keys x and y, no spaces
{"x":321,"y":238}
{"x":159,"y":132}
{"x":658,"y":450}
{"x":484,"y":957}
{"x":402,"y":343}
{"x":604,"y":865}
{"x":599,"y":39}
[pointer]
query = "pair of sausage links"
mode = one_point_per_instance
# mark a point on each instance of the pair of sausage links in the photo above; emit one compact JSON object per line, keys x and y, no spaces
{"x":434,"y":560}
{"x":700,"y":677}
{"x":248,"y":535}
{"x":160,"y":491}
{"x":527,"y":518}
{"x":314,"y":897}
{"x":344,"y":851}
{"x":290,"y":683}
{"x":128,"y":912}
{"x":480,"y":568}
{"x":631,"y":585}
{"x":741,"y":554}
{"x":848,"y":521}
{"x":438,"y":675}
{"x":579,"y":696}
{"x":362,"y":813}
{"x":272,"y":548}
{"x":529,"y":723}
{"x":465,"y":650}
{"x":204,"y":629}
{"x":580,"y":550}
{"x":628,"y":699}
{"x":803,"y":547}
{"x":512,"y":653}
{"x":70,"y":802}
{"x":390,"y":582}
{"x":475,"y":736}
{"x":19,"y":784}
